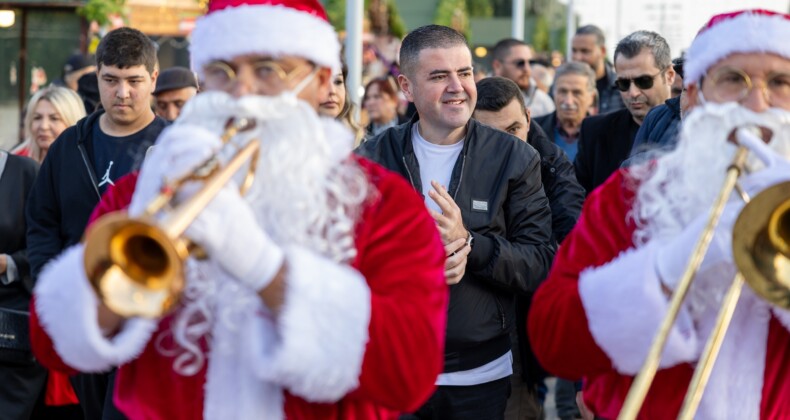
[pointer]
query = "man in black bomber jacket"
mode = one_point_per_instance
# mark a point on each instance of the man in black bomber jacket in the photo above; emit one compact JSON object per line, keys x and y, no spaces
{"x":494,"y":217}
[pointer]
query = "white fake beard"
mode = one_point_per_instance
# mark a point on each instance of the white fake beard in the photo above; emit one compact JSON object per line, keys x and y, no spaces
{"x":682,"y":184}
{"x":307,"y":192}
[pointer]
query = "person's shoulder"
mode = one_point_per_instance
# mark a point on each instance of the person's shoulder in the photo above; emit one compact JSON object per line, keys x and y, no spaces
{"x":605,"y":121}
{"x":393,"y":137}
{"x":26,"y":165}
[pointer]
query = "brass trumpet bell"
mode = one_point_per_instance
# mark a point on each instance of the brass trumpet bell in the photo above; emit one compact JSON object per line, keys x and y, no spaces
{"x":138,"y":267}
{"x":760,"y":244}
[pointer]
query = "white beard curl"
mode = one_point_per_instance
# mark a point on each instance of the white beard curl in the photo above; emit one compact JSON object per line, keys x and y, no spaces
{"x":307,"y":192}
{"x":683,"y":183}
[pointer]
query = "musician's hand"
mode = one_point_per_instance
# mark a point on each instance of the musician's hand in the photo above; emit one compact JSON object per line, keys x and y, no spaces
{"x":455,"y":264}
{"x":229,"y":232}
{"x":451,"y":225}
{"x":776,"y":170}
{"x":179,"y":150}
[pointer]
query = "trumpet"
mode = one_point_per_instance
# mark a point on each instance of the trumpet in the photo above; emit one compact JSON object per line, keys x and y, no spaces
{"x":761,"y":252}
{"x":136,"y":264}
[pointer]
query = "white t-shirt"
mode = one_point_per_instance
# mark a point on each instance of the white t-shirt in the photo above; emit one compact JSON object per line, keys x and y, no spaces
{"x":436,"y":163}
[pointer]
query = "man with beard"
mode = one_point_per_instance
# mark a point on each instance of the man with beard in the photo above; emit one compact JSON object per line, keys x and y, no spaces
{"x":644,"y":77}
{"x":588,"y":45}
{"x":511,"y":61}
{"x":483,"y":188}
{"x":323,"y":293}
{"x":596,"y":315}
{"x":574,"y":97}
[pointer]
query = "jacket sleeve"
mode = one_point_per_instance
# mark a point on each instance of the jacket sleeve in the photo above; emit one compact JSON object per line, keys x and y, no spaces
{"x":566,"y":195}
{"x":402,"y":259}
{"x":583,"y":164}
{"x":557,"y":323}
{"x":43,"y":216}
{"x":519,"y":261}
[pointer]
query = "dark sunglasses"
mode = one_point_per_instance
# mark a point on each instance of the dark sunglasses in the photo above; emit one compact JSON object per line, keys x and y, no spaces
{"x":519,"y":63}
{"x":642,"y":82}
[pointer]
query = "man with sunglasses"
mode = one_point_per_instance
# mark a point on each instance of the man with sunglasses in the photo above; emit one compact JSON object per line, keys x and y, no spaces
{"x":644,"y":78}
{"x":322,"y":294}
{"x":511,"y":61}
{"x":596,"y":315}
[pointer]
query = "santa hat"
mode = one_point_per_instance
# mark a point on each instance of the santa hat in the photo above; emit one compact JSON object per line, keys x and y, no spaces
{"x":268,"y":27}
{"x":746,"y":31}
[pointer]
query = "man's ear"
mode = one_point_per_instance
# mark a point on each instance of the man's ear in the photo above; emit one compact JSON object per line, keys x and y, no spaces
{"x":670,"y":77}
{"x":692,"y":95}
{"x":154,"y":77}
{"x":529,"y":117}
{"x":405,"y":86}
{"x":496,"y":67}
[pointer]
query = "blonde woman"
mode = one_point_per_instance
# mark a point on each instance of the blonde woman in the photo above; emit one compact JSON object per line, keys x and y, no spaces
{"x":338,"y":106}
{"x":49,"y":112}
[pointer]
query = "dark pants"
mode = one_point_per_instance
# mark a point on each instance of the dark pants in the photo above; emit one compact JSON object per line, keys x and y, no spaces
{"x":95,"y":392}
{"x":476,"y":402}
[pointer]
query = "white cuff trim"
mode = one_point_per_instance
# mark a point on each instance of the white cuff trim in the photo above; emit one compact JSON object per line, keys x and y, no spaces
{"x":625,"y":305}
{"x":322,"y":329}
{"x":67,"y":308}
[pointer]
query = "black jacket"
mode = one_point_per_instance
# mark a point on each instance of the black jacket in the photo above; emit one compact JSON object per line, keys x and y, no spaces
{"x":565,"y":194}
{"x":604,"y":143}
{"x":66,"y":191}
{"x":511,"y":225}
{"x":659,"y":131}
{"x":16,"y":181}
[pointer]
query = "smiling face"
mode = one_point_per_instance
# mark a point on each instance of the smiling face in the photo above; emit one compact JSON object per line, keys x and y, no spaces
{"x":443,"y":90}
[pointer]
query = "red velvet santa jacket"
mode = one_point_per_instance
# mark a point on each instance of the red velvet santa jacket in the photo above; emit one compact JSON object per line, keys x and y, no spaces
{"x":401,"y":258}
{"x":588,"y":322}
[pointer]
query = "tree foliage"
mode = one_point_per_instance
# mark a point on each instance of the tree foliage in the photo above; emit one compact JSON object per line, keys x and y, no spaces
{"x":383,"y":16}
{"x":453,"y":13}
{"x":101,"y":10}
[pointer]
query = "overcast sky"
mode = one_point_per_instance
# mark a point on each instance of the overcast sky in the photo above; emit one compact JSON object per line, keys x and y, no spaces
{"x":677,"y":20}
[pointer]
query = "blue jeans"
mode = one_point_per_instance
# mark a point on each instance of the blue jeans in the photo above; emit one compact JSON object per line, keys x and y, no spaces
{"x":475,"y":402}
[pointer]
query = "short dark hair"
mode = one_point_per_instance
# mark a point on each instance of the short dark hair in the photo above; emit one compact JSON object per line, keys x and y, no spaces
{"x":495,"y":93}
{"x":633,"y":44}
{"x":502,"y":48}
{"x":385,"y":85}
{"x":600,"y":39}
{"x":425,"y":37}
{"x":125,"y":48}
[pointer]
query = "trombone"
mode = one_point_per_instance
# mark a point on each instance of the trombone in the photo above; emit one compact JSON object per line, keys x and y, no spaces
{"x":760,"y":250}
{"x":136,"y":264}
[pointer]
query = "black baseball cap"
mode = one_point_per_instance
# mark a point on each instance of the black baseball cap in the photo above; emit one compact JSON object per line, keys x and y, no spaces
{"x":77,"y":62}
{"x":175,"y":78}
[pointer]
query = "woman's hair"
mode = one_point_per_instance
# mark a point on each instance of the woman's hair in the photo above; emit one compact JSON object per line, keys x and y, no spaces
{"x":349,"y":110}
{"x":385,"y":85}
{"x":66,"y":103}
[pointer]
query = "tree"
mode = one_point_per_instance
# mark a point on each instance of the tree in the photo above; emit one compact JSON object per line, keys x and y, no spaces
{"x":382,"y":14}
{"x":453,"y":13}
{"x":480,"y":8}
{"x":101,"y":10}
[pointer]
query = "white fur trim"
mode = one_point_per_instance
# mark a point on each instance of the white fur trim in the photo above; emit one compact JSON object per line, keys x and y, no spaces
{"x":625,"y":306}
{"x":744,"y":33}
{"x":271,"y":30}
{"x":67,"y":308}
{"x":322,"y":330}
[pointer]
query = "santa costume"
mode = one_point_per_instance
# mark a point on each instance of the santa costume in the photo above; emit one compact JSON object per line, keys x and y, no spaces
{"x":596,"y":315}
{"x":360,"y":333}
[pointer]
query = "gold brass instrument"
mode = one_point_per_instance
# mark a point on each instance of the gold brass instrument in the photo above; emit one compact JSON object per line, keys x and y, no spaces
{"x":762,"y":255}
{"x":136,"y":264}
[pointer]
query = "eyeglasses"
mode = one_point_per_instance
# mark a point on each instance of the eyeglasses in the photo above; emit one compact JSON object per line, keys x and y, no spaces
{"x":222,"y":74}
{"x":643,"y":82}
{"x":733,"y":85}
{"x":520,"y":64}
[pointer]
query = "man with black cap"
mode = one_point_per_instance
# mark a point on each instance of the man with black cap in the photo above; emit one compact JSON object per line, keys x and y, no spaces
{"x":174,"y":88}
{"x":75,"y":67}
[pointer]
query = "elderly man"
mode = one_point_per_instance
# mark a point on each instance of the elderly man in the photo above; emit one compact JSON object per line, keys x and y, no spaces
{"x":511,"y":61}
{"x":323,"y":294}
{"x":574,"y":97}
{"x":174,"y":88}
{"x":596,"y":315}
{"x":644,"y":77}
{"x":588,"y":45}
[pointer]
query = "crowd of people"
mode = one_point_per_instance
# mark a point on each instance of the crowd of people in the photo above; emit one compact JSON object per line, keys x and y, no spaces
{"x":440,"y":257}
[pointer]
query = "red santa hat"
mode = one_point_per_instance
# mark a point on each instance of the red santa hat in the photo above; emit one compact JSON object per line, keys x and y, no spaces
{"x":270,"y":27}
{"x":745,"y":31}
